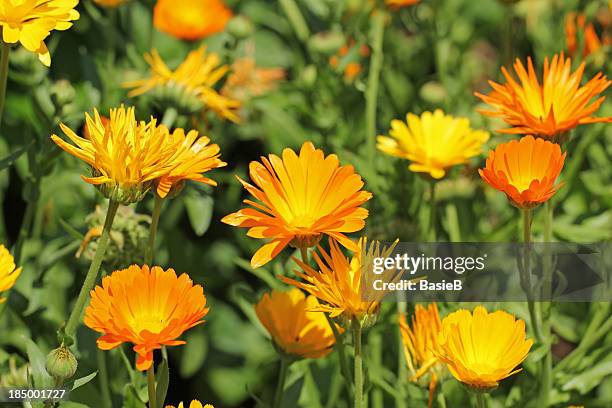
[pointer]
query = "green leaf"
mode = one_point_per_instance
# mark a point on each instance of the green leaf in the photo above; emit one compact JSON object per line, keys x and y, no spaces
{"x":41,"y":378}
{"x":10,"y":159}
{"x":79,"y":382}
{"x":199,"y":211}
{"x":163,"y":379}
{"x":194,"y":353}
{"x":586,"y":381}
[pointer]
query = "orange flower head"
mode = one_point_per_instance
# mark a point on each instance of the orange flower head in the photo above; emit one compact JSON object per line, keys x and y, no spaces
{"x":191,"y":19}
{"x":149,"y":308}
{"x":295,"y":329}
{"x":555,"y":106}
{"x":396,"y":4}
{"x":300,"y":198}
{"x":341,"y":283}
{"x":525,"y":170}
{"x":420,"y":340}
{"x":194,"y":155}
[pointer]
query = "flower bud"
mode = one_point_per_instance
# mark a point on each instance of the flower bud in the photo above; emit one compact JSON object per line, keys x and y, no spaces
{"x":326,"y":43}
{"x":61,"y":363}
{"x":240,"y":27}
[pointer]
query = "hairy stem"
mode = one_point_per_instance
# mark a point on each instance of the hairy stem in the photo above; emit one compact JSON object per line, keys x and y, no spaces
{"x":358,"y":363}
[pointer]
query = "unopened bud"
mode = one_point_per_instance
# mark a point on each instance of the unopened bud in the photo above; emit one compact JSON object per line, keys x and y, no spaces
{"x":61,"y":363}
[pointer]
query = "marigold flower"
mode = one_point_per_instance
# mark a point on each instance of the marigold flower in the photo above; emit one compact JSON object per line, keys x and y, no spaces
{"x":558,"y":105}
{"x":29,"y":22}
{"x":191,"y":85}
{"x":300,"y":199}
{"x":295,"y":329}
{"x":193,"y":157}
{"x":110,"y":3}
{"x":150,"y":308}
{"x":574,"y":22}
{"x":420,"y":341}
{"x":191,"y":19}
{"x":8,"y":272}
{"x":247,"y":80}
{"x":339,"y":281}
{"x":483,"y":348}
{"x":433,"y":142}
{"x":125,"y":155}
{"x":193,"y":404}
{"x":401,"y":3}
{"x":525,"y":170}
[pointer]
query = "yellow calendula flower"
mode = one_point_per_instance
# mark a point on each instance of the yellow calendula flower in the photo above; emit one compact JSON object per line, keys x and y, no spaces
{"x":193,"y":404}
{"x":295,"y":328}
{"x":482,"y":348}
{"x":433,"y":142}
{"x":8,"y":272}
{"x":29,"y":22}
{"x":420,"y":340}
{"x":191,"y":85}
{"x":110,"y":3}
{"x":125,"y":156}
{"x":339,"y":281}
{"x":194,"y":156}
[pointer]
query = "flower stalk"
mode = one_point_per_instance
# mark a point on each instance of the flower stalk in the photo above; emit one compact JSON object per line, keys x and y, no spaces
{"x":4,"y":68}
{"x":148,"y":259}
{"x":546,"y":306}
{"x":356,"y":326}
{"x":527,"y":271}
{"x":92,"y":274}
{"x":280,"y":386}
{"x":480,"y":401}
{"x":371,"y":94}
{"x":344,"y":367}
{"x":432,"y":211}
{"x":151,"y":386}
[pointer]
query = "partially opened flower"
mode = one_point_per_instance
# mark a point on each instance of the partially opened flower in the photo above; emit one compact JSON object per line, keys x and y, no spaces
{"x":482,"y":348}
{"x":29,"y":22}
{"x":420,"y":342}
{"x":575,"y":23}
{"x":8,"y":272}
{"x":149,"y":308}
{"x":193,"y":404}
{"x":433,"y":142}
{"x":555,"y":106}
{"x":194,"y":156}
{"x":525,"y":170}
{"x":125,"y":155}
{"x":295,"y":329}
{"x":190,"y":86}
{"x":247,"y":80}
{"x":342,"y":284}
{"x":300,"y":199}
{"x":191,"y":19}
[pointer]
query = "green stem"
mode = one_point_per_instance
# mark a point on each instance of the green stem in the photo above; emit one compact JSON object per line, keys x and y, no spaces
{"x":92,"y":274}
{"x":480,"y":401}
{"x":4,"y":69}
{"x":103,"y":375}
{"x":169,"y":118}
{"x":432,"y":211}
{"x":151,"y":386}
{"x":344,"y":366}
{"x":148,"y":259}
{"x":356,"y":325}
{"x":280,"y":386}
{"x":375,"y":348}
{"x":294,"y":15}
{"x":304,"y":254}
{"x":371,"y":93}
{"x":527,"y":271}
{"x":24,"y":229}
{"x":546,"y":307}
{"x":402,"y":369}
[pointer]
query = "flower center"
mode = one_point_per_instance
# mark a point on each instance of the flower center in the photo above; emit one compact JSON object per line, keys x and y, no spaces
{"x":153,"y":323}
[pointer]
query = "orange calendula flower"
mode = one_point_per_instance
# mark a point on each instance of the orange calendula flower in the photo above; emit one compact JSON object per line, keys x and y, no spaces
{"x":191,"y":19}
{"x":557,"y":105}
{"x":190,"y":86}
{"x":482,"y":348}
{"x":525,"y":170}
{"x":420,"y":340}
{"x":295,"y":329}
{"x":194,"y":156}
{"x":149,"y":308}
{"x":29,"y":22}
{"x":193,"y":404}
{"x":8,"y":272}
{"x":433,"y":142}
{"x":401,"y":3}
{"x":339,"y":281}
{"x":247,"y":80}
{"x":125,"y":156}
{"x":300,"y":199}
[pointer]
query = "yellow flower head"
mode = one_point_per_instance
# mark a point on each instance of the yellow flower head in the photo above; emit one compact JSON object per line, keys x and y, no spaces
{"x":29,"y":22}
{"x":295,"y":328}
{"x":338,"y":281}
{"x":8,"y":273}
{"x":125,"y":155}
{"x":483,"y":348}
{"x":433,"y":142}
{"x":558,"y":105}
{"x":301,"y":197}
{"x":193,"y":156}
{"x":110,"y":3}
{"x":192,"y":83}
{"x":193,"y":404}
